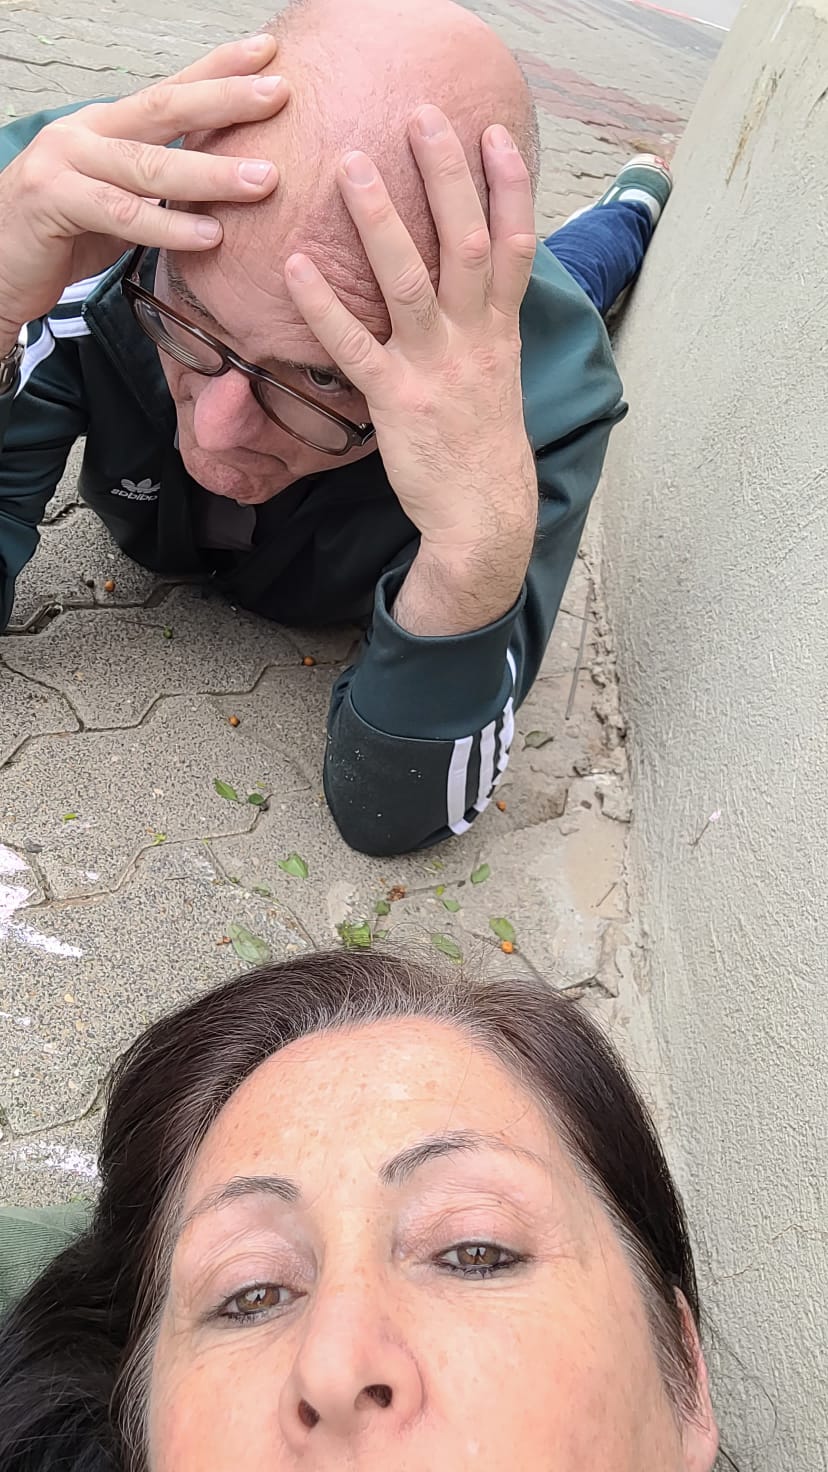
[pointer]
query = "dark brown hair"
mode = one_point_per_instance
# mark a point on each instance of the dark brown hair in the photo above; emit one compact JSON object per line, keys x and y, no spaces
{"x":71,"y":1352}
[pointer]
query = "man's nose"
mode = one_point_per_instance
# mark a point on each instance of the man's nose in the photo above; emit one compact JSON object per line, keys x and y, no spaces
{"x":354,"y":1374}
{"x":225,"y":413}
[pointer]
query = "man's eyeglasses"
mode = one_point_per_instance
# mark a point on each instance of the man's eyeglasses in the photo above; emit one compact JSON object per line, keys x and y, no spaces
{"x":297,"y":413}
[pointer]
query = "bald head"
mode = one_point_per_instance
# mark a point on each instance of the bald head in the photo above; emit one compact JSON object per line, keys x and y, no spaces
{"x":358,"y":71}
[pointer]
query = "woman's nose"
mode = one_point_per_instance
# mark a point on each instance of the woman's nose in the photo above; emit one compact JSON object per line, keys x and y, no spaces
{"x":353,"y":1376}
{"x":225,"y":413}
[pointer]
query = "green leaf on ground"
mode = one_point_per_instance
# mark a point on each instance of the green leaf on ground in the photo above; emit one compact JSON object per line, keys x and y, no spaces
{"x":263,"y":890}
{"x":440,"y":891}
{"x":225,"y":790}
{"x":256,"y":799}
{"x":451,"y":905}
{"x":159,"y":838}
{"x":167,"y":632}
{"x":355,"y":935}
{"x":503,"y":929}
{"x":448,"y":947}
{"x":382,"y":907}
{"x":69,"y":818}
{"x":537,"y":739}
{"x":294,"y":864}
{"x":248,"y":947}
{"x":481,"y":875}
{"x":381,"y":934}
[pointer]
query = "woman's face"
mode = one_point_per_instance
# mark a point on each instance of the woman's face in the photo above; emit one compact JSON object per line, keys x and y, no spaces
{"x":388,"y":1263}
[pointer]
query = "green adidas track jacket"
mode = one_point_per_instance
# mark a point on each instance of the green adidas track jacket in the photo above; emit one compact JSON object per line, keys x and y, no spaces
{"x":419,"y":729}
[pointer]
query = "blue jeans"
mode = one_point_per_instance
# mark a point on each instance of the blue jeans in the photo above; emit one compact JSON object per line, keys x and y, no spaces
{"x":604,"y":249}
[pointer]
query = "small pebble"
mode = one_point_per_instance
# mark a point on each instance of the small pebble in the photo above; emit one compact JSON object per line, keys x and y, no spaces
{"x":309,"y":661}
{"x":109,"y":585}
{"x":234,"y":721}
{"x":90,"y":582}
{"x":501,"y":806}
{"x":507,"y":947}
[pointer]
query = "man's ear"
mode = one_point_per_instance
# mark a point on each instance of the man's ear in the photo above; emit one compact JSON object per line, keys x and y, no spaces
{"x":700,"y":1434}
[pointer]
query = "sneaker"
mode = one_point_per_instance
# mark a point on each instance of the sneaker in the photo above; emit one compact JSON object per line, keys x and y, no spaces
{"x":646,"y":180}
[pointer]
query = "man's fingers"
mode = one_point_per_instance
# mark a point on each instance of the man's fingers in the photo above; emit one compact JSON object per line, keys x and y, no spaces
{"x":233,"y":59}
{"x":511,"y":220}
{"x":168,"y":110}
{"x":395,"y":261}
{"x":104,"y":209}
{"x":170,"y":173}
{"x":465,"y":254}
{"x":353,"y":348}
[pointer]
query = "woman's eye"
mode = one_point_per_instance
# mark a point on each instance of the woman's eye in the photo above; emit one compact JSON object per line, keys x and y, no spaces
{"x":477,"y":1259}
{"x":253,"y":1303}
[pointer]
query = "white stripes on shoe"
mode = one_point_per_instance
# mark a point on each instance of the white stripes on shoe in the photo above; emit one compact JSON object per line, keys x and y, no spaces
{"x":493,"y":746}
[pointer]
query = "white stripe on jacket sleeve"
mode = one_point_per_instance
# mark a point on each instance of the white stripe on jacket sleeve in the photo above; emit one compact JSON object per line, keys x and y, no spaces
{"x":494,"y":759}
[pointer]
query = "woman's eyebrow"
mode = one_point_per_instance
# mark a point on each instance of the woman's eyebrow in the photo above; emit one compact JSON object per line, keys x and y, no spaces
{"x":401,"y":1167}
{"x":394,"y":1172}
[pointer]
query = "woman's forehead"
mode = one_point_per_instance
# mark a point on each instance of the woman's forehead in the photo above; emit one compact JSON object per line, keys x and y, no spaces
{"x":375,"y":1091}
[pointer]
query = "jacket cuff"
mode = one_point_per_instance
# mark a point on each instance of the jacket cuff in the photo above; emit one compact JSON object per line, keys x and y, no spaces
{"x":433,"y":688}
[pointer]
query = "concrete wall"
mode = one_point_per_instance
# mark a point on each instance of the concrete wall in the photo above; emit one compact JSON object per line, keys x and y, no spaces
{"x":715,"y":549}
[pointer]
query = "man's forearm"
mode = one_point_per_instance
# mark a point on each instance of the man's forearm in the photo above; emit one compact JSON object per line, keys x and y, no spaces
{"x":447,"y":592}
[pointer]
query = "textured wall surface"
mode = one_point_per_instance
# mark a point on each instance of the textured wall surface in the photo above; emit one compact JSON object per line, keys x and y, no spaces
{"x":715,"y":529}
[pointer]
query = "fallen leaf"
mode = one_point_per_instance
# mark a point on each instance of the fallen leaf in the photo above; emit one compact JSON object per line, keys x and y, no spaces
{"x":167,"y":632}
{"x":382,"y":907}
{"x":381,"y":934}
{"x":397,"y":893}
{"x":294,"y":864}
{"x":159,"y":838}
{"x":452,"y":905}
{"x":355,"y":936}
{"x":537,"y":739}
{"x":248,"y":947}
{"x":448,"y":947}
{"x":440,"y":891}
{"x":69,"y":818}
{"x":481,"y":875}
{"x":263,"y":890}
{"x":503,"y":929}
{"x":225,"y":790}
{"x":256,"y":799}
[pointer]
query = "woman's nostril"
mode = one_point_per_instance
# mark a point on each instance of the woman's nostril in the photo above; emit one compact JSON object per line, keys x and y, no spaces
{"x":307,"y":1415}
{"x":382,"y":1394}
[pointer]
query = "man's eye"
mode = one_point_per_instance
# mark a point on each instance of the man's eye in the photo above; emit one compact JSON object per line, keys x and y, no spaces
{"x":325,"y":382}
{"x":254,"y":1303}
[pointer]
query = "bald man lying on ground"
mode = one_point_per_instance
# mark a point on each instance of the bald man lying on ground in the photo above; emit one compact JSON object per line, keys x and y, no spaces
{"x":376,"y":399}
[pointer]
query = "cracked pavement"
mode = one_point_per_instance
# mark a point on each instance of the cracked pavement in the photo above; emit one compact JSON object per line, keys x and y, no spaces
{"x":121,"y":866}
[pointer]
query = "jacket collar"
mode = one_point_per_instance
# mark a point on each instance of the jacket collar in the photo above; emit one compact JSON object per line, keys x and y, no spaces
{"x":134,"y":357}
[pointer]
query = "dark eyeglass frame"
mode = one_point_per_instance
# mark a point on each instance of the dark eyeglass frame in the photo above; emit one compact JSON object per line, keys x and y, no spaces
{"x":359,"y":435}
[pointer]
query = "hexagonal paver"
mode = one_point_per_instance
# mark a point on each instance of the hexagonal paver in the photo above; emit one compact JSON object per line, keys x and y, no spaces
{"x":92,"y":802}
{"x":113,"y":664}
{"x":28,"y":709}
{"x":73,"y":553}
{"x":88,"y":978}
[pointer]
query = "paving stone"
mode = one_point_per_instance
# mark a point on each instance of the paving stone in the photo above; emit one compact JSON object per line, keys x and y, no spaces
{"x":53,"y":1169}
{"x":29,"y":709}
{"x":73,"y":552}
{"x":123,"y":960}
{"x":86,"y":654}
{"x":93,"y":802}
{"x":341,"y":885}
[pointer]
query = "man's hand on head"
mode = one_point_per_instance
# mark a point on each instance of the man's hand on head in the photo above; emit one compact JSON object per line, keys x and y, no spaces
{"x":444,"y":393}
{"x":89,"y":184}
